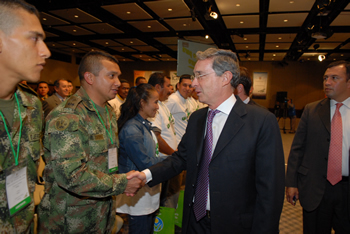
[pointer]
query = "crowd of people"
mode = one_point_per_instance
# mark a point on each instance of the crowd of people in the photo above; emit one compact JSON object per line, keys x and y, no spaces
{"x":110,"y":147}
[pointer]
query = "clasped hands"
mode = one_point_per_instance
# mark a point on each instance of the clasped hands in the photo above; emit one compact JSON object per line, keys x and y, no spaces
{"x":136,"y":180}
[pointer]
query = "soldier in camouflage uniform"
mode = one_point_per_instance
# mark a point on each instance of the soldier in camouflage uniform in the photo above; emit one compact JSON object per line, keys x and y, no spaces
{"x":22,"y":57}
{"x":79,"y":137}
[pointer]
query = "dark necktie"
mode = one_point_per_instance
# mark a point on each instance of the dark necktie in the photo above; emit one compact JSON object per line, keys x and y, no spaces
{"x":334,"y":169}
{"x":201,"y":192}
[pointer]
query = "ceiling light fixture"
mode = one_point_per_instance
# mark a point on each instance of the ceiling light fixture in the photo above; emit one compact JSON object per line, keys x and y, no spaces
{"x":128,"y":12}
{"x":170,"y":9}
{"x":213,"y":14}
{"x":285,"y":21}
{"x":44,"y":19}
{"x":241,"y":22}
{"x":321,"y":58}
{"x":149,"y":26}
{"x":237,"y":5}
{"x":206,"y":36}
{"x":76,"y":16}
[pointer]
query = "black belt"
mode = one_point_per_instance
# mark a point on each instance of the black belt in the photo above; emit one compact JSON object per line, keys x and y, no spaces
{"x":208,"y":214}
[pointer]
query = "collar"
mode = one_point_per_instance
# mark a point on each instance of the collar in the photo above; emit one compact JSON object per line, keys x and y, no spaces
{"x":246,"y":101}
{"x":23,"y":98}
{"x":180,"y":96}
{"x":60,"y":97}
{"x":145,"y":122}
{"x":346,"y":102}
{"x":227,"y":105}
{"x":119,"y":98}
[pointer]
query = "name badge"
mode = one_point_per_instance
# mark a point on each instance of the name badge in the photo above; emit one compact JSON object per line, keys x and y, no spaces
{"x":112,"y":160}
{"x":17,"y":190}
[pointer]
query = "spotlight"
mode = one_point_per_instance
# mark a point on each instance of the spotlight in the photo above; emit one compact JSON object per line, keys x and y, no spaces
{"x":321,"y":58}
{"x":206,"y":36}
{"x":213,"y":15}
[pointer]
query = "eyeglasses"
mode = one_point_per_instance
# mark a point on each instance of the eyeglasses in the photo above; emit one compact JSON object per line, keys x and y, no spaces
{"x":199,"y":77}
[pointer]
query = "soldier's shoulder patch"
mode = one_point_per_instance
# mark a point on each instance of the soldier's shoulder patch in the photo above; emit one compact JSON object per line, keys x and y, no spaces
{"x":61,"y":123}
{"x":73,"y":102}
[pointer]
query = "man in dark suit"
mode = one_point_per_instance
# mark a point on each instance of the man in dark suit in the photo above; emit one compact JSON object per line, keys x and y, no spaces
{"x":243,"y":88}
{"x":234,"y":160}
{"x":62,"y":91}
{"x":318,"y":164}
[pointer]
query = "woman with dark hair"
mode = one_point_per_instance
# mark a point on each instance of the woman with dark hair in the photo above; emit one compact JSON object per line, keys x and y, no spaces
{"x":138,"y":151}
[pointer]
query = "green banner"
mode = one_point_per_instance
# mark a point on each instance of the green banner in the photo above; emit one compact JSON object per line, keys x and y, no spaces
{"x":165,"y":222}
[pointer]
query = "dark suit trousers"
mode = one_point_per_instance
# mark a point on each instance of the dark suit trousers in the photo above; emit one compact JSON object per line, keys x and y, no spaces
{"x":203,"y":226}
{"x":331,"y":213}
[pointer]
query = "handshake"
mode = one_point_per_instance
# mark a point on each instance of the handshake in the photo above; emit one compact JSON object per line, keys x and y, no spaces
{"x":136,"y":180}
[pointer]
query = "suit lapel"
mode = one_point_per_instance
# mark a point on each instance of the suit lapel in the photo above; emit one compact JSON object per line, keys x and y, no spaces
{"x":324,"y":113}
{"x":233,"y":124}
{"x":199,"y":139}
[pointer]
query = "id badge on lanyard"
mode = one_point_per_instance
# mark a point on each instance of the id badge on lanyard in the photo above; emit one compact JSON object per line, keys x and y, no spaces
{"x":17,"y":190}
{"x":112,"y":160}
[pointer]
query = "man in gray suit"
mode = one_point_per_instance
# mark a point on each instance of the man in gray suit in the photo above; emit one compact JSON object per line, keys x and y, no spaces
{"x":62,"y":91}
{"x":318,"y":164}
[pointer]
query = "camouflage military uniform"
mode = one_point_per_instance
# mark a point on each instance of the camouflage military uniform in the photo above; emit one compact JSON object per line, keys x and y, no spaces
{"x":78,"y":186}
{"x":30,"y":151}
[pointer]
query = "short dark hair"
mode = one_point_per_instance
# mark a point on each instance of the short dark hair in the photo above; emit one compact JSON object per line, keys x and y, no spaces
{"x":157,"y":78}
{"x":245,"y":80}
{"x":341,"y":62}
{"x":57,"y":82}
{"x":42,"y":82}
{"x":91,"y":62}
{"x":184,"y":77}
{"x":8,"y":18}
{"x":138,"y":79}
{"x":123,"y":81}
{"x":69,"y":81}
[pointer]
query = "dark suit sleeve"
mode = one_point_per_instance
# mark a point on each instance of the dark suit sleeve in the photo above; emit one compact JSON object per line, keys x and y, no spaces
{"x":297,"y":150}
{"x":270,"y":175}
{"x":171,"y":166}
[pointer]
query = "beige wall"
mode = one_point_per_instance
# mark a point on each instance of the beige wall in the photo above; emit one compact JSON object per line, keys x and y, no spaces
{"x":302,"y":81}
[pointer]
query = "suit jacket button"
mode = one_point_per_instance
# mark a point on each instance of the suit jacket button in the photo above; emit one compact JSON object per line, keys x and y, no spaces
{"x":192,"y":185}
{"x":189,"y":204}
{"x":197,"y":165}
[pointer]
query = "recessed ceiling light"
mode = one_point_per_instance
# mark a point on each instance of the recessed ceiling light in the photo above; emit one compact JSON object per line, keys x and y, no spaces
{"x":167,"y":59}
{"x":128,"y":12}
{"x":184,"y":25}
{"x":44,"y":19}
{"x":74,"y":44}
{"x":74,"y":30}
{"x":241,"y":22}
{"x":285,"y":20}
{"x":76,"y":16}
{"x":123,"y":59}
{"x":170,"y":9}
{"x":206,"y":36}
{"x":334,"y":59}
{"x":277,"y":46}
{"x":308,"y":58}
{"x":140,"y":56}
{"x":245,"y":38}
{"x":274,"y":55}
{"x":246,"y":46}
{"x":131,"y":42}
{"x":342,"y":55}
{"x":273,"y":59}
{"x":291,"y":2}
{"x":149,"y":26}
{"x":122,"y":48}
{"x":107,"y":42}
{"x":248,"y":58}
{"x":53,"y":45}
{"x":280,"y":38}
{"x":237,"y":5}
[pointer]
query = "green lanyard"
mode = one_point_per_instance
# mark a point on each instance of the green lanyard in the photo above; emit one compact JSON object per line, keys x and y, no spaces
{"x":15,"y":155}
{"x":110,"y":125}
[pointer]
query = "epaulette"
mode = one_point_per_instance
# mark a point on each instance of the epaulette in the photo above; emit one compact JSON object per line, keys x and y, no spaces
{"x":73,"y":102}
{"x":27,"y":89}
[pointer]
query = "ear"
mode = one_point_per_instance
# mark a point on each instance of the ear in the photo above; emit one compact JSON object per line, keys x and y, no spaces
{"x":158,"y":87}
{"x":89,"y":78}
{"x":142,"y":104}
{"x":240,"y":88}
{"x":227,"y":77}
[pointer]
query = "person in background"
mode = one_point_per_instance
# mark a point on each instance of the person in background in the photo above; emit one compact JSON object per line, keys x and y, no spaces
{"x":292,"y":115}
{"x":22,"y":57}
{"x":43,"y":90}
{"x":318,"y":163}
{"x":140,"y":80}
{"x":138,"y":151}
{"x":195,"y":102}
{"x":179,"y":105}
{"x":70,"y":88}
{"x":119,"y":99}
{"x":62,"y":92}
{"x":81,"y":141}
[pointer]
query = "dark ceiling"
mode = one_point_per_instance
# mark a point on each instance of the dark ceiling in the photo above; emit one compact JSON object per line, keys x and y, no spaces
{"x":258,"y":30}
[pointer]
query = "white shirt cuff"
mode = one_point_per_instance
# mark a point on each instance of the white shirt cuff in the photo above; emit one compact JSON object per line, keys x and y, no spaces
{"x":148,"y":175}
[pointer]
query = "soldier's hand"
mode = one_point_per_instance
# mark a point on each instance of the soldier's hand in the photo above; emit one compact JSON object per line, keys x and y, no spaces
{"x":135,"y":182}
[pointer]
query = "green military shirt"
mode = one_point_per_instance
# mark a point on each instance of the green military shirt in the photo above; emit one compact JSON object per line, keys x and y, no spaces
{"x":29,"y":153}
{"x":79,"y":188}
